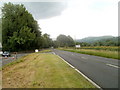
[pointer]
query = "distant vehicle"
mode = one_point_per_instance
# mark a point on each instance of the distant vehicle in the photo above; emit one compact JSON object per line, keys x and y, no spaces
{"x":6,"y":54}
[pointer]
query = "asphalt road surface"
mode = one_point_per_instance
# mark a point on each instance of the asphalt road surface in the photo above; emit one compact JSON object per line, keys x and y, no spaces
{"x":103,"y":71}
{"x":6,"y":60}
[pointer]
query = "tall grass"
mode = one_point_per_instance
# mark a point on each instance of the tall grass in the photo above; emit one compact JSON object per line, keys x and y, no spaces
{"x":109,"y":48}
{"x":102,"y":53}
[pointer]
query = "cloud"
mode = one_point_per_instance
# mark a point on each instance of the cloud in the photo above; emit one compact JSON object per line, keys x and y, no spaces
{"x":78,"y":18}
{"x":44,"y":10}
{"x":83,"y":19}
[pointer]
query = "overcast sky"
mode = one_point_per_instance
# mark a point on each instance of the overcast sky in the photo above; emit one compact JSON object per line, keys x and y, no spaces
{"x":77,"y":18}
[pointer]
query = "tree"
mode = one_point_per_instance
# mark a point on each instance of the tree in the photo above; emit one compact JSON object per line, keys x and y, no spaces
{"x":19,"y":29}
{"x":47,"y":41}
{"x":22,"y":39}
{"x":55,"y":44}
{"x":71,"y":42}
{"x":65,"y":41}
{"x":0,"y":30}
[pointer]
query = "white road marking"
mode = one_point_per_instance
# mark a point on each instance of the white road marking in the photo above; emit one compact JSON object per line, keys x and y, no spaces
{"x":81,"y":74}
{"x":89,"y":79}
{"x":66,"y":62}
{"x":84,"y":57}
{"x":113,"y":65}
{"x":53,"y":52}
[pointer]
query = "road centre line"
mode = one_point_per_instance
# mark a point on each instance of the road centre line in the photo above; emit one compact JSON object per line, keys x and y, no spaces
{"x":112,"y":65}
{"x":81,"y":73}
{"x":84,"y":57}
{"x":53,"y":53}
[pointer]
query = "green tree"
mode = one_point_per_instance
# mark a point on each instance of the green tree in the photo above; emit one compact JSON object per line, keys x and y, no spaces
{"x":22,"y":39}
{"x":65,"y":41}
{"x":19,"y":29}
{"x":0,"y":30}
{"x":47,"y":41}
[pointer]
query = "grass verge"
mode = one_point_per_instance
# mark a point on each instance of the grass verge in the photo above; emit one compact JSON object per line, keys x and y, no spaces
{"x":102,"y":53}
{"x":42,"y":70}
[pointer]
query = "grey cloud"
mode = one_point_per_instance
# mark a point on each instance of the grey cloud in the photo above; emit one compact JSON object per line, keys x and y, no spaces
{"x":44,"y":10}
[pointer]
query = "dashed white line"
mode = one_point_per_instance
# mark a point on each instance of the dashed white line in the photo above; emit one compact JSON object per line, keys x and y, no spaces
{"x":113,"y":65}
{"x":72,"y":54}
{"x":84,"y":57}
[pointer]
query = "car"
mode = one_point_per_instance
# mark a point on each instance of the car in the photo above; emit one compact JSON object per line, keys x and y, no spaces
{"x":6,"y":54}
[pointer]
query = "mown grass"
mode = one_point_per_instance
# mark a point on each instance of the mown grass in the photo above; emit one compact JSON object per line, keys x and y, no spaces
{"x":1,"y":79}
{"x":45,"y":51}
{"x":22,"y":59}
{"x":42,"y":70}
{"x":102,"y":53}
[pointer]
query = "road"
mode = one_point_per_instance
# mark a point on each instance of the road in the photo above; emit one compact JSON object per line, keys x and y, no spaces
{"x":6,"y":60}
{"x":103,"y":71}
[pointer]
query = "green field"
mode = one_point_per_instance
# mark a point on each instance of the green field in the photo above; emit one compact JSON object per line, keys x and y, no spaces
{"x":108,"y":48}
{"x":97,"y":51}
{"x":42,"y":70}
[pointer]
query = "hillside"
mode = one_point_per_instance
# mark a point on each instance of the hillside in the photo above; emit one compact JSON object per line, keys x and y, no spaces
{"x":94,"y":39}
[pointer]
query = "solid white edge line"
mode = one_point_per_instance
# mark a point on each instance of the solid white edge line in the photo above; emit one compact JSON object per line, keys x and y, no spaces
{"x":66,"y":62}
{"x":88,"y":79}
{"x":81,"y":73}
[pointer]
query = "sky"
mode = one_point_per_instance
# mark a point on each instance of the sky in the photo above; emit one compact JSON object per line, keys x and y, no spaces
{"x":77,"y":18}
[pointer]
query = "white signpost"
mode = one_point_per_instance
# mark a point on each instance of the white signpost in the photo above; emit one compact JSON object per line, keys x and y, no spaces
{"x":77,"y":46}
